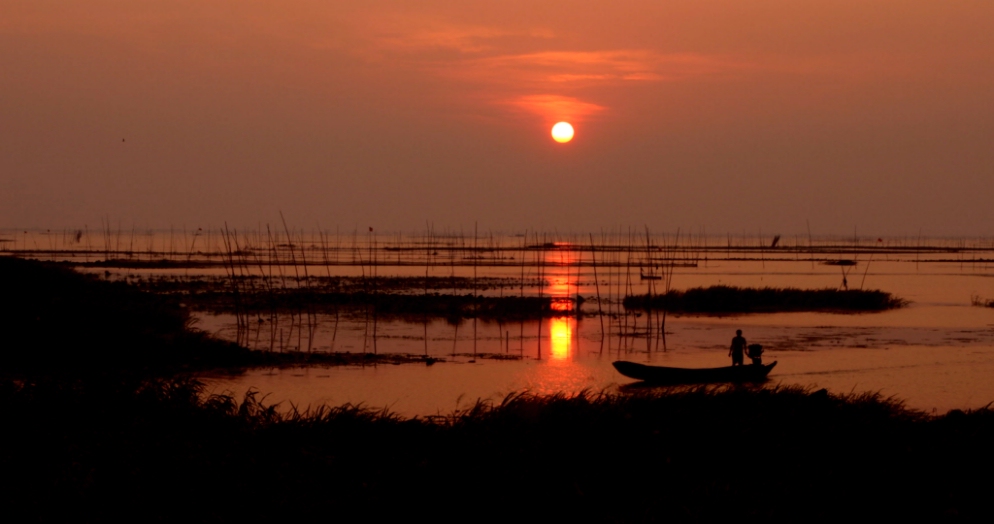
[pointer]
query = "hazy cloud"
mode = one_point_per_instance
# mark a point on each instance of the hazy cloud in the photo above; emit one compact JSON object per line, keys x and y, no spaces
{"x":556,"y":107}
{"x":518,"y":69}
{"x":409,"y":34}
{"x":588,"y":67}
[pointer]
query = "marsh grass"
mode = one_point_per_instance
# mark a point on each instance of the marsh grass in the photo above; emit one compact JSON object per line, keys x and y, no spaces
{"x":388,"y":296}
{"x":78,"y":448}
{"x":729,"y":299}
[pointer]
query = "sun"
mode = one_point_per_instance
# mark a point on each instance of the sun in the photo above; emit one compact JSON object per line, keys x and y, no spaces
{"x":562,"y":132}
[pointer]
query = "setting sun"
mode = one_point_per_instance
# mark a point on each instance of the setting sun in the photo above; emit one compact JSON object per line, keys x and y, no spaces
{"x":562,"y":132}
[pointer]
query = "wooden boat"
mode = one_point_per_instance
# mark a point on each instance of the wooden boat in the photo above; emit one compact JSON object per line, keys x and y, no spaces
{"x":665,"y":375}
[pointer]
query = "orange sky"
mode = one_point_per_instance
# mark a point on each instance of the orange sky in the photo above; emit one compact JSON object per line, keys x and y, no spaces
{"x":734,"y":116}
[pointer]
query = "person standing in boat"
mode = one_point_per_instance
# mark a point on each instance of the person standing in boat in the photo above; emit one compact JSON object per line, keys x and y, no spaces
{"x":737,"y":351}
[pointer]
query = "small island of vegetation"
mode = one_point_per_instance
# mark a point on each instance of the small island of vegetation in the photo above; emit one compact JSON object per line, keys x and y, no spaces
{"x":730,"y":299}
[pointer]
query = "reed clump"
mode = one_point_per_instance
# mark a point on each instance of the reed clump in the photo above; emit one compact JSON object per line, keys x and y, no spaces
{"x":977,"y":300}
{"x":730,"y":299}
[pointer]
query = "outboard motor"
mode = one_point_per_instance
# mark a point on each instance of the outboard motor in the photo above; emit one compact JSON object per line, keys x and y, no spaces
{"x":755,"y":352}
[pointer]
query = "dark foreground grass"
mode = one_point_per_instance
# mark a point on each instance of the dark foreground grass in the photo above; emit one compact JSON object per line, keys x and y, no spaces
{"x":93,"y":450}
{"x":730,"y":299}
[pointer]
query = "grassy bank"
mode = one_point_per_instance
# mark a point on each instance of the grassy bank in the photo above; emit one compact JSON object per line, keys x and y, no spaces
{"x":78,"y":449}
{"x":56,"y":319}
{"x":729,"y":299}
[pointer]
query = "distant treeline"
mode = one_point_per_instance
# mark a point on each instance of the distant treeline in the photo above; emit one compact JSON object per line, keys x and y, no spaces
{"x":730,"y":299}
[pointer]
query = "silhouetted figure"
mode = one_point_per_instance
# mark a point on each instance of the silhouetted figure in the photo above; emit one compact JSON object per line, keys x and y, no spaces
{"x":755,"y":352}
{"x":737,"y":351}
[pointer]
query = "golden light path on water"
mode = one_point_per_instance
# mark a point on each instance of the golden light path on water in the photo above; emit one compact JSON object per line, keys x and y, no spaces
{"x":561,"y":336}
{"x":560,"y":330}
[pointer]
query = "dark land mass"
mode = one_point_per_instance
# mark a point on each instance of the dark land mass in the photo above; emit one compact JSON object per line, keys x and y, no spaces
{"x":56,"y":321}
{"x":99,"y":428}
{"x":729,"y":299}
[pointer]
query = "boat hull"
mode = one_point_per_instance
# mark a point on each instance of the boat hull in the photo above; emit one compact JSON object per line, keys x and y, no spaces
{"x":666,"y":375}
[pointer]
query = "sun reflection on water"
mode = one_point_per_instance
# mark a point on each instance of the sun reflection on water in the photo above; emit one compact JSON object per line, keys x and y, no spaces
{"x":562,"y":278}
{"x":561,"y":336}
{"x":561,"y":288}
